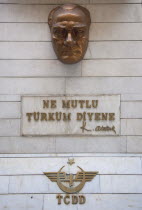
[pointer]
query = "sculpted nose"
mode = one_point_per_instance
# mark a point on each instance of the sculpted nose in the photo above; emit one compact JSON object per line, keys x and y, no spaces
{"x":69,"y":39}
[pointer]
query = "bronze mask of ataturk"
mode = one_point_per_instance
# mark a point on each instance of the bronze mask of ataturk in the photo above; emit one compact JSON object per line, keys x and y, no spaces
{"x":69,"y":25}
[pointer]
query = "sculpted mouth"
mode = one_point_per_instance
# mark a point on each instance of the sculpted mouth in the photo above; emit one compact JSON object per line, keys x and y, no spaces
{"x":67,"y":53}
{"x":71,"y":52}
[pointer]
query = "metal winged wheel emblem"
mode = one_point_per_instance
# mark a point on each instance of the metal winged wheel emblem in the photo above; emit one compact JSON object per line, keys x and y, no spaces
{"x":81,"y":177}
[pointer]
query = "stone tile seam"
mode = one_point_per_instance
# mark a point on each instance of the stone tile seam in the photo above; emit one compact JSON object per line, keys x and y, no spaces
{"x":100,"y":175}
{"x":101,"y":40}
{"x":65,"y":193}
{"x":141,"y":163}
{"x":43,"y":204}
{"x":91,"y":22}
{"x":56,"y":4}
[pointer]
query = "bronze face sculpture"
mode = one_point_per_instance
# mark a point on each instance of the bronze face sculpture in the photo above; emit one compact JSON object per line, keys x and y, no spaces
{"x":69,"y":25}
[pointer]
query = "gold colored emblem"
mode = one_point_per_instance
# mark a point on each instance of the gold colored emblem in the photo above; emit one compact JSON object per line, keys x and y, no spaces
{"x":61,"y":177}
{"x":71,"y":161}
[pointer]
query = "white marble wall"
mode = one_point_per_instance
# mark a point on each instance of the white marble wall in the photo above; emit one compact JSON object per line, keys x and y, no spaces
{"x":112,"y":65}
{"x":116,"y":186}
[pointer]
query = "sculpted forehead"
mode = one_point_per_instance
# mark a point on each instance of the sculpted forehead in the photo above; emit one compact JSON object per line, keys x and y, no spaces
{"x":70,"y":15}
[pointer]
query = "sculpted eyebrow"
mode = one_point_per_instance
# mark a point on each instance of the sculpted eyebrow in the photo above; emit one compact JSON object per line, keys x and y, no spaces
{"x":58,"y":27}
{"x":79,"y":26}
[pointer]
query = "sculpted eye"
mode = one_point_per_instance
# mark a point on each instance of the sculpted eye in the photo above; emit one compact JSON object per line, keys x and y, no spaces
{"x":59,"y":32}
{"x":79,"y":32}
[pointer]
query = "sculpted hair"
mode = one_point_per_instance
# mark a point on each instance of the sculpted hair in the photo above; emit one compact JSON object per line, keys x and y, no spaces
{"x":68,"y":7}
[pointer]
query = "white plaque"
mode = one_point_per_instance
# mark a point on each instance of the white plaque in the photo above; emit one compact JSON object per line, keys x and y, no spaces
{"x":71,"y":115}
